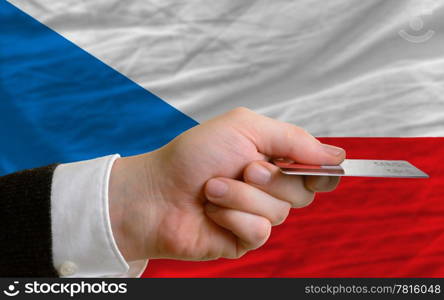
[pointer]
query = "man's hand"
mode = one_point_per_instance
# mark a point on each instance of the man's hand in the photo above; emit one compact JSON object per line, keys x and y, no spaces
{"x":211,"y":192}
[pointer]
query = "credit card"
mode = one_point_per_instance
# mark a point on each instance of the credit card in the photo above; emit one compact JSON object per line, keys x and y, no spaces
{"x":354,"y":167}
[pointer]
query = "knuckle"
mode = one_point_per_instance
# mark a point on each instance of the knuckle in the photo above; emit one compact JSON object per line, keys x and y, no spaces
{"x":301,"y":131}
{"x":280,"y":216}
{"x":294,"y":132}
{"x":239,"y":253}
{"x":260,"y":233}
{"x":291,"y":135}
{"x":240,"y":111}
{"x":306,"y":201}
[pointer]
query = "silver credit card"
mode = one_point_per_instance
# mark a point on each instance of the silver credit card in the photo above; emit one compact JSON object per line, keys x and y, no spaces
{"x":355,"y":167}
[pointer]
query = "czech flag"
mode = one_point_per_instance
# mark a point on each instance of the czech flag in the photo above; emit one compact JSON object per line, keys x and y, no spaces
{"x":82,"y":79}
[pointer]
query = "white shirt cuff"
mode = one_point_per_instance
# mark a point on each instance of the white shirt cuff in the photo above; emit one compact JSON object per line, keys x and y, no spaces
{"x":83,"y":243}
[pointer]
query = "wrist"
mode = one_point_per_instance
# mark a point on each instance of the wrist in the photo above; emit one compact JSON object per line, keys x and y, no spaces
{"x":131,"y":209}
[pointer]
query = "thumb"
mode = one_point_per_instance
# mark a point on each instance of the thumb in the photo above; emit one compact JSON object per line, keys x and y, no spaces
{"x":283,"y":140}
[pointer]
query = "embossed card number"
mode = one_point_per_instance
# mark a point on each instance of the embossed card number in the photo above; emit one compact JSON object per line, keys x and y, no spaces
{"x":354,"y":167}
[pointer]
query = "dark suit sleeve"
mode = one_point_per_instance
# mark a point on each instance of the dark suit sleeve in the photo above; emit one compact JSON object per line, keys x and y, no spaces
{"x":25,"y":223}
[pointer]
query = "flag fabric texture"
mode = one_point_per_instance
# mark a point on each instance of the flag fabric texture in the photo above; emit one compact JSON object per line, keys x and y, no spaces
{"x":80,"y":79}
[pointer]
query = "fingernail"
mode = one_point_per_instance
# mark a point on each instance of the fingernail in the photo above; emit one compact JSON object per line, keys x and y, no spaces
{"x":209,"y":207}
{"x":216,"y":188}
{"x":321,"y":183}
{"x":259,"y":175}
{"x":332,"y":150}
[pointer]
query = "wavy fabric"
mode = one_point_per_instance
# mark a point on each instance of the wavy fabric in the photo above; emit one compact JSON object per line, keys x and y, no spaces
{"x":60,"y":104}
{"x":343,"y":69}
{"x":335,"y":67}
{"x":366,"y":228}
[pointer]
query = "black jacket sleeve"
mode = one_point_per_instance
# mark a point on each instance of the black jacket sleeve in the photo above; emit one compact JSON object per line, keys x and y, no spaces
{"x":25,"y":223}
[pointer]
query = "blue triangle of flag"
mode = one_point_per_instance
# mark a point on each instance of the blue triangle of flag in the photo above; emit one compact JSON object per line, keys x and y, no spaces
{"x":60,"y":104}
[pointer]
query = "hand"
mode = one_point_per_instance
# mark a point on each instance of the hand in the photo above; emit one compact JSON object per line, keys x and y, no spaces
{"x":211,"y":192}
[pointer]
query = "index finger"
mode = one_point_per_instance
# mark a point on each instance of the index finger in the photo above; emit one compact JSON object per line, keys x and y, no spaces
{"x":283,"y":140}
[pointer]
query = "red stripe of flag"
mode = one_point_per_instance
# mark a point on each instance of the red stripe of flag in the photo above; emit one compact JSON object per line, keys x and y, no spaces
{"x":368,"y":227}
